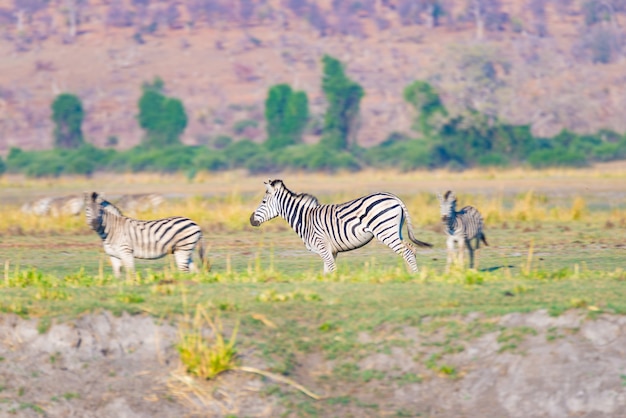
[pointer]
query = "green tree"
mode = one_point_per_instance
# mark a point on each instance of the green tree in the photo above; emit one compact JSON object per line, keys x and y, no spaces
{"x":344,"y":98}
{"x":67,"y":115}
{"x":163,"y":118}
{"x":286,"y":112}
{"x":424,"y":98}
{"x":3,"y":166}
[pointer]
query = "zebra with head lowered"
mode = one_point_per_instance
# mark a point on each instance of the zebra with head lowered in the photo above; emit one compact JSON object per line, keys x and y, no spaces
{"x":330,"y":229}
{"x":461,"y":228}
{"x":125,"y":239}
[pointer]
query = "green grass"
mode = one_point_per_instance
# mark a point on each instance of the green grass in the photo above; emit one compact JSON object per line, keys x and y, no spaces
{"x":266,"y":281}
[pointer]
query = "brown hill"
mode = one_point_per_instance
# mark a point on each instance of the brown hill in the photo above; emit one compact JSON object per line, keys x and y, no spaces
{"x":220,"y":58}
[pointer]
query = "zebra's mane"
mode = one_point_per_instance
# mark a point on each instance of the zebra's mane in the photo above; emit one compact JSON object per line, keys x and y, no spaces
{"x":299,"y":196}
{"x":110,"y":208}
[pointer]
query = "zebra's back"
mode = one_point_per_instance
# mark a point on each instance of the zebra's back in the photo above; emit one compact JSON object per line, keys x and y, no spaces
{"x":470,"y":222}
{"x":157,"y":238}
{"x":350,"y":225}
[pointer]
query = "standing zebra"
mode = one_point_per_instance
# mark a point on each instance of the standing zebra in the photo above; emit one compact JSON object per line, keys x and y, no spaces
{"x":330,"y":229}
{"x":460,"y":227}
{"x":125,"y":239}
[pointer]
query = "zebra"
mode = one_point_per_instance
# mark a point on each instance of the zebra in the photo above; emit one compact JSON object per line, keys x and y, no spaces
{"x":125,"y":239}
{"x":133,"y":203}
{"x":460,"y":227}
{"x":330,"y":229}
{"x":55,"y":206}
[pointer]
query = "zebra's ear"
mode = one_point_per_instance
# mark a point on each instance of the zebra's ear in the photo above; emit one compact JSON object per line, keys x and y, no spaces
{"x":269,"y":187}
{"x":94,"y":196}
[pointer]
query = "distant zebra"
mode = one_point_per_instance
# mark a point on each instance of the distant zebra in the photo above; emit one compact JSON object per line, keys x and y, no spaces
{"x":55,"y":206}
{"x":330,"y":229}
{"x":133,"y":203}
{"x":461,"y":227}
{"x":125,"y":239}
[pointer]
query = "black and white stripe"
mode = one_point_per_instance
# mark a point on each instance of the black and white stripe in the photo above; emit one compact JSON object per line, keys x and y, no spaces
{"x":461,"y":227}
{"x":125,"y":239}
{"x":330,"y":229}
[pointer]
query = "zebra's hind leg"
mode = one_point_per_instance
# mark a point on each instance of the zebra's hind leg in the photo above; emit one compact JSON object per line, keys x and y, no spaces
{"x":470,"y":250}
{"x":394,"y":242}
{"x":184,"y":261}
{"x":411,"y":260}
{"x":477,"y":251}
{"x":329,"y":258}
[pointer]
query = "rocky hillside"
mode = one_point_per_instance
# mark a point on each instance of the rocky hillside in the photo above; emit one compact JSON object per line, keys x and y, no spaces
{"x":551,"y":64}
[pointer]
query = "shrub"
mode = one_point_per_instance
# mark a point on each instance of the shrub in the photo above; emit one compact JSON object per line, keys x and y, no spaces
{"x":240,"y":126}
{"x":222,"y":141}
{"x":344,"y":98}
{"x":67,"y":115}
{"x":239,"y":152}
{"x":557,"y":157}
{"x":286,"y":113}
{"x":425,"y":99}
{"x":212,"y":161}
{"x":163,"y":118}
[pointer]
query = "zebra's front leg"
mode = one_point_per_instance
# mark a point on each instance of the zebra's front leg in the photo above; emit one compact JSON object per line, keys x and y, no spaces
{"x":128,"y":260}
{"x":461,"y":253}
{"x":451,"y":253}
{"x":116,"y":264}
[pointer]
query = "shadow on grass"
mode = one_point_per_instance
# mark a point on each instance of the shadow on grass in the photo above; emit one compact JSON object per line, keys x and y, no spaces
{"x":494,"y":268}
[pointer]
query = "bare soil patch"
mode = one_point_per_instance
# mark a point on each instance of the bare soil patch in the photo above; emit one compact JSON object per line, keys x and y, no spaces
{"x":100,"y":365}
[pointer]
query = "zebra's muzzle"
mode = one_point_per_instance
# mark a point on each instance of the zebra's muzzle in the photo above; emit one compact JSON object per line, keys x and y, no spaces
{"x":253,"y":221}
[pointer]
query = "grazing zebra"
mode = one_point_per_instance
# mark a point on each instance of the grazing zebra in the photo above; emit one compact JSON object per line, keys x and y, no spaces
{"x":133,"y":203}
{"x":125,"y":238}
{"x":330,"y":229}
{"x":460,"y":227}
{"x":55,"y":206}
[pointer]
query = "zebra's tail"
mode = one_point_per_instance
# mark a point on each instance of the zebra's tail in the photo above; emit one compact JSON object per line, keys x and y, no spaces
{"x":483,"y":238}
{"x":409,"y":227}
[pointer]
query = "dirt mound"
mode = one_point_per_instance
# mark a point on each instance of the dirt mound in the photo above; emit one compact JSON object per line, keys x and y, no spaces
{"x":100,"y":365}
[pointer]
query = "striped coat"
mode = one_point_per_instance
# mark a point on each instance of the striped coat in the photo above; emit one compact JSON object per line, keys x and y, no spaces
{"x":125,"y":239}
{"x":330,"y":229}
{"x":461,"y":227}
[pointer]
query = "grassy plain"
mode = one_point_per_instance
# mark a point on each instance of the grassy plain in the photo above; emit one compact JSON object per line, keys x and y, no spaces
{"x":556,"y":243}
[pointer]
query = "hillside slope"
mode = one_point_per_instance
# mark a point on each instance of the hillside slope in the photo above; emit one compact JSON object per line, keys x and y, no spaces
{"x":222,"y":70}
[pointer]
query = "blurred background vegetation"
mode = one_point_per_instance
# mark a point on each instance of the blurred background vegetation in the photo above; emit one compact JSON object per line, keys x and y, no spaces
{"x":438,"y":138}
{"x":269,"y":85}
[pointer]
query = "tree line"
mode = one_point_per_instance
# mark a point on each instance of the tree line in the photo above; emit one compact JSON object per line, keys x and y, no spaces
{"x":438,"y":139}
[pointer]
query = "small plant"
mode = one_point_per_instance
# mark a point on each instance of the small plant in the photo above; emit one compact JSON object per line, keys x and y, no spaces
{"x":44,"y":325}
{"x":70,"y":395}
{"x":129,"y":298}
{"x":509,"y":338}
{"x":207,"y":360}
{"x":203,"y":358}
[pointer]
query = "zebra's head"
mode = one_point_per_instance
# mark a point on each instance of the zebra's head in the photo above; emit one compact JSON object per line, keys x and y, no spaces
{"x":447,"y":205}
{"x":93,"y":210}
{"x":95,"y":207}
{"x":268,"y":209}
